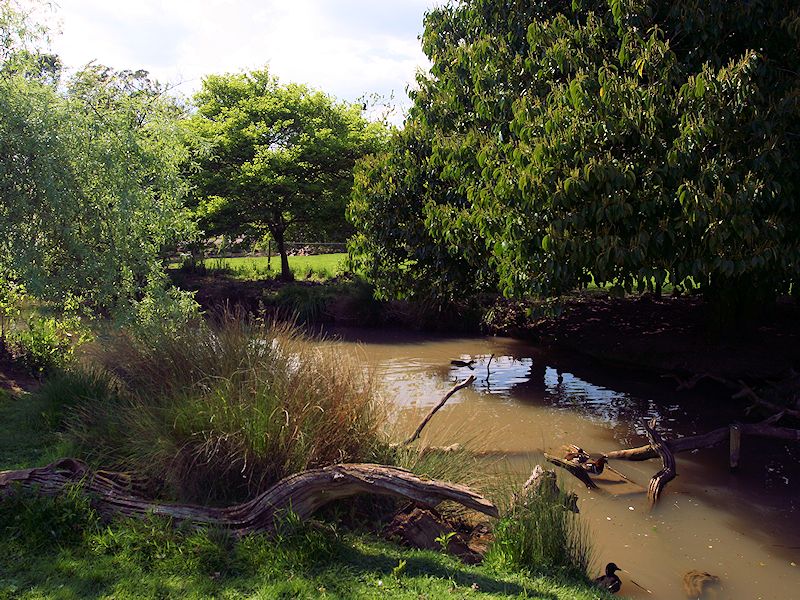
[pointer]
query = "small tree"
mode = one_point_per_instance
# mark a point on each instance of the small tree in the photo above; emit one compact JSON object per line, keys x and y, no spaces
{"x":275,"y":157}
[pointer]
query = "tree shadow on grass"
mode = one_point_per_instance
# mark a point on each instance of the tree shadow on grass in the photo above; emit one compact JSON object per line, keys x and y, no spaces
{"x":362,"y":563}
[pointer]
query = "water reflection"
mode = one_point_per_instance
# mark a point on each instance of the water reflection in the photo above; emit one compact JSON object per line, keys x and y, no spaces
{"x":532,"y":380}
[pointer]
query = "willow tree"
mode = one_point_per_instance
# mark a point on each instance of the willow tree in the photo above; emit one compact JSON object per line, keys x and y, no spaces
{"x":275,"y":157}
{"x":622,"y":141}
{"x":90,"y":187}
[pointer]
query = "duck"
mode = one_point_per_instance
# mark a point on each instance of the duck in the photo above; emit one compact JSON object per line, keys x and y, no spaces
{"x":462,"y":363}
{"x":591,"y":463}
{"x":595,"y":464}
{"x":610,"y":581}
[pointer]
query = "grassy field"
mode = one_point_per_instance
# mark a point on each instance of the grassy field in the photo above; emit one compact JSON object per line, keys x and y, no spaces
{"x":320,"y":266}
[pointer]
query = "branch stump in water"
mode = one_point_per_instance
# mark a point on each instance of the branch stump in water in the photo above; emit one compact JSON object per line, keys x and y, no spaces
{"x":735,"y":445}
{"x":668,"y":472}
{"x":544,"y":483}
{"x":303,"y":493}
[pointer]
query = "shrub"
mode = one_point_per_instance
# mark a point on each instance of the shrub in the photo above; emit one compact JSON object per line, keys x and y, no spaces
{"x":47,"y":343}
{"x":221,"y":412}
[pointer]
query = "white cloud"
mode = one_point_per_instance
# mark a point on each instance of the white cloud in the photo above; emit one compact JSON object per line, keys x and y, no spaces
{"x":344,"y":47}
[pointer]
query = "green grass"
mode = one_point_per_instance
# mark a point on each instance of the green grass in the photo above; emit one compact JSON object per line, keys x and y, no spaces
{"x":60,"y":549}
{"x":319,"y":267}
{"x":27,"y":437}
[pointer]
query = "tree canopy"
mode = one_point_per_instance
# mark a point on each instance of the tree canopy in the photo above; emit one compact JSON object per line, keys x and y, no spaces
{"x":275,"y":157}
{"x":622,"y":141}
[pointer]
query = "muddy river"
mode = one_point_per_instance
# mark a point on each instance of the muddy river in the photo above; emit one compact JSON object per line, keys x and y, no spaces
{"x":743,"y":527}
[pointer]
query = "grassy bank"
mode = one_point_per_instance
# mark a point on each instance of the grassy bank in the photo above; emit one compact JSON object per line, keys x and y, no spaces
{"x":60,"y":549}
{"x":76,"y":557}
{"x":215,"y":414}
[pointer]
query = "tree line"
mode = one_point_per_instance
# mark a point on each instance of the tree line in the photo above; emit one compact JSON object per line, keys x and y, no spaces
{"x":103,"y":172}
{"x":552,"y":144}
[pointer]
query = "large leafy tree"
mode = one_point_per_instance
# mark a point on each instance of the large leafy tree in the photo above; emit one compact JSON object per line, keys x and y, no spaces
{"x":620,"y":140}
{"x":275,"y":157}
{"x":90,"y":185}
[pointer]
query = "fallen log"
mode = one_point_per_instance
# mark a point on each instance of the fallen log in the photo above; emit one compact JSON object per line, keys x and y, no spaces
{"x":467,"y":382}
{"x":303,"y":493}
{"x":708,"y":440}
{"x":668,"y":472}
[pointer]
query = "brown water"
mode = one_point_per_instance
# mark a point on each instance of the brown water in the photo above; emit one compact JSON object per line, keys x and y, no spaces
{"x":742,"y":527}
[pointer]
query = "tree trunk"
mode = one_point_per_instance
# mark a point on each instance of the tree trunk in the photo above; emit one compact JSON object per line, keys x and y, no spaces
{"x":280,"y":242}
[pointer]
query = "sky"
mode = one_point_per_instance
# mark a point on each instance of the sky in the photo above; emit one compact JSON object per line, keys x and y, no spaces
{"x":347,"y":48}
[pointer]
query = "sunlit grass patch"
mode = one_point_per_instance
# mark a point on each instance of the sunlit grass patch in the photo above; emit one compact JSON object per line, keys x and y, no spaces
{"x":314,"y":267}
{"x":77,"y":556}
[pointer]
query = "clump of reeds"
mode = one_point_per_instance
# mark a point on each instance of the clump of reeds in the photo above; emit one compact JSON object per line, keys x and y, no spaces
{"x":538,"y":533}
{"x":220,"y":412}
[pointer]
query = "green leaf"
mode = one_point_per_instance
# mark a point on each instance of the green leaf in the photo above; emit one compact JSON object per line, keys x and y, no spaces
{"x":699,"y":86}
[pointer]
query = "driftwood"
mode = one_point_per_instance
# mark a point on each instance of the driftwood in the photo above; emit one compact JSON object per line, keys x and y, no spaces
{"x":303,"y":493}
{"x":742,"y":390}
{"x":668,"y":472}
{"x":747,"y":392}
{"x":573,"y":468}
{"x":688,"y":384}
{"x":467,"y":382}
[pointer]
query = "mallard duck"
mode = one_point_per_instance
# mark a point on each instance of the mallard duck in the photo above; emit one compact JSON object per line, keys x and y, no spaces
{"x":610,"y":581}
{"x":595,"y":464}
{"x":591,"y":463}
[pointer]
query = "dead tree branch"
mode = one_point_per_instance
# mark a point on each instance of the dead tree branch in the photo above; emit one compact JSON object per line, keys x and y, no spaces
{"x":668,"y":472}
{"x":303,"y":493}
{"x":709,"y":440}
{"x":467,"y":382}
{"x":576,"y":470}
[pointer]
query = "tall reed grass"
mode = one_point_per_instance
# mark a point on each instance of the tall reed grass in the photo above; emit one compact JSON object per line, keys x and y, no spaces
{"x":220,"y":412}
{"x":537,"y":533}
